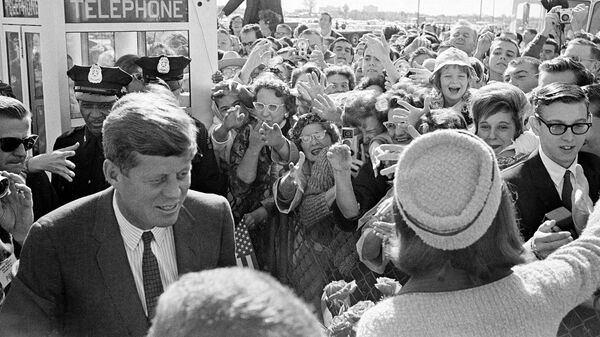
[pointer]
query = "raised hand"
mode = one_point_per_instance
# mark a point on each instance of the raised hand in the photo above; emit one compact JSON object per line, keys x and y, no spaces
{"x":272,"y":136}
{"x":484,"y":42}
{"x":255,"y":139}
{"x":548,"y":238}
{"x":340,"y":157}
{"x":327,"y":109}
{"x":379,"y":46}
{"x":296,"y":174}
{"x":317,"y":57}
{"x":414,"y":114}
{"x":233,"y":118}
{"x":581,"y":201}
{"x":16,"y":208}
{"x":420,"y":75}
{"x":55,"y":162}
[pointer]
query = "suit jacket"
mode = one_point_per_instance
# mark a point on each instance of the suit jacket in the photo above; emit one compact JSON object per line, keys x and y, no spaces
{"x":74,"y":277}
{"x":534,"y":192}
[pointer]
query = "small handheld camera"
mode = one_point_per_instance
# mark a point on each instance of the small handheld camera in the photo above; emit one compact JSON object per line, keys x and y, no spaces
{"x":4,"y":187}
{"x":303,"y":48}
{"x":350,"y":137}
{"x":565,"y":15}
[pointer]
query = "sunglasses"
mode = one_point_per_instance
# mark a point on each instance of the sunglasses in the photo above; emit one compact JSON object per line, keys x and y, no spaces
{"x":258,"y":106}
{"x":9,"y":144}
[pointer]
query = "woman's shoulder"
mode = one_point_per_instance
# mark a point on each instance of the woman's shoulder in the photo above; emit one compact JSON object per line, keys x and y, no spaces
{"x":383,"y":319}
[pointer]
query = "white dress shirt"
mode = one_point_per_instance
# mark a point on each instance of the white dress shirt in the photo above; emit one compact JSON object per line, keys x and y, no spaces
{"x":557,"y":172}
{"x":163,"y":247}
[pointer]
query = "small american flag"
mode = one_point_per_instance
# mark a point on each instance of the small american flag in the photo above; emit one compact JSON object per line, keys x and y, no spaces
{"x":244,"y":252}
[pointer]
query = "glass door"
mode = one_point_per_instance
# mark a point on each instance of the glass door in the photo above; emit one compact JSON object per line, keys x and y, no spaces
{"x":25,"y":75}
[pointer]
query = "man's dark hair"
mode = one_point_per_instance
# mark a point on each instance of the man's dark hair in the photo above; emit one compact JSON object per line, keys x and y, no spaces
{"x":560,"y":64}
{"x":252,"y":27}
{"x":328,"y":15}
{"x":299,"y":30}
{"x":532,"y":61}
{"x":11,"y":108}
{"x":390,"y":30}
{"x":341,"y":39}
{"x":593,"y":93}
{"x":531,"y":31}
{"x":595,"y":50}
{"x":553,"y":42}
{"x":557,"y":92}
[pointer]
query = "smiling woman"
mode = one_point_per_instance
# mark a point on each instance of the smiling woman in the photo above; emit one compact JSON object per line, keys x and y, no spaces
{"x":498,"y":112}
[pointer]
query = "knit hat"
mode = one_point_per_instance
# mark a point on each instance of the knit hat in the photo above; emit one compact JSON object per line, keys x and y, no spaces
{"x":447,"y":188}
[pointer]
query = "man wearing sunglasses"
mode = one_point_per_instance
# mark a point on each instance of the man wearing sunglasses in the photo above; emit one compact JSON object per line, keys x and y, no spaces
{"x":15,"y":140}
{"x":97,"y":89}
{"x":546,"y":181}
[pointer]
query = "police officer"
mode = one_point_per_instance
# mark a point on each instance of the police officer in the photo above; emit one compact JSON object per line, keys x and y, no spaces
{"x":96,"y":89}
{"x":206,"y":176}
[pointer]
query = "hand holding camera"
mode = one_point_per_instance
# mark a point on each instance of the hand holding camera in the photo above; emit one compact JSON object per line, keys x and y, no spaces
{"x":16,"y":206}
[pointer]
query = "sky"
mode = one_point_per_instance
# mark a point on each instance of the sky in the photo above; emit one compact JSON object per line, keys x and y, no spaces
{"x":431,"y":7}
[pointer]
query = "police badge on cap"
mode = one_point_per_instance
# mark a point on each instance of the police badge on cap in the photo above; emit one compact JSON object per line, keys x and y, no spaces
{"x":106,"y":81}
{"x":167,"y":68}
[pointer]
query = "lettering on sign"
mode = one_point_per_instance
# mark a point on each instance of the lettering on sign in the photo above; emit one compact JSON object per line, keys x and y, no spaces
{"x":21,"y":8}
{"x":105,"y":11}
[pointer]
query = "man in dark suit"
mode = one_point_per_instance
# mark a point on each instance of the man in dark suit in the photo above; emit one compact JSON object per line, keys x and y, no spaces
{"x":96,"y":266}
{"x":546,"y":180}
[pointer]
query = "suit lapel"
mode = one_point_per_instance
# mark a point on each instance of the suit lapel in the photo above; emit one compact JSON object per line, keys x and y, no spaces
{"x":187,"y":243}
{"x":114,"y":267}
{"x":540,"y":178}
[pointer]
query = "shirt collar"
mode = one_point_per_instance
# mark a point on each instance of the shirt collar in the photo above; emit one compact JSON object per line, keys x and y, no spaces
{"x":556,"y":171}
{"x":131,"y":234}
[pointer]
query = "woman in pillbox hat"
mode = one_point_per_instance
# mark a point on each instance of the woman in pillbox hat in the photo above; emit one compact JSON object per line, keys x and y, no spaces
{"x":460,"y":245}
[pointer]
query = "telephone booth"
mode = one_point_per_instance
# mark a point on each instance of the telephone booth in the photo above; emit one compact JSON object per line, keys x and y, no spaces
{"x":41,"y":39}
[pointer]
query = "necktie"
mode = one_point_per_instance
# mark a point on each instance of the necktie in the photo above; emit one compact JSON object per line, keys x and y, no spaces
{"x":567,"y":190}
{"x":151,"y":275}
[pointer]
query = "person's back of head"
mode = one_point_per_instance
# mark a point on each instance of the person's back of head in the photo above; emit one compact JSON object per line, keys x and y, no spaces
{"x":231,"y":302}
{"x":299,"y":30}
{"x":469,"y":226}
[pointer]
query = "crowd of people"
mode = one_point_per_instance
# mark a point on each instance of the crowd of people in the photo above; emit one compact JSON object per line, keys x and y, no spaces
{"x":462,"y":163}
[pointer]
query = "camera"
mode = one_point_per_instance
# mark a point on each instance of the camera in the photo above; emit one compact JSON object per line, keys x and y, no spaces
{"x":565,"y":15}
{"x":350,"y":137}
{"x":4,"y":187}
{"x":303,"y":48}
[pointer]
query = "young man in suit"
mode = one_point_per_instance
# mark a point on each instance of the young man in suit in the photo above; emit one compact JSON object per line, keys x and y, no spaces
{"x":546,"y":180}
{"x":96,"y":266}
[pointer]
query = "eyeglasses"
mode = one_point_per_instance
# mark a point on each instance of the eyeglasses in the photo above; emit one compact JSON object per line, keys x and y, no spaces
{"x":138,"y":76}
{"x":559,"y":129}
{"x":393,"y":125}
{"x":581,"y":59}
{"x":258,"y":106}
{"x":318,"y":136}
{"x":9,"y":144}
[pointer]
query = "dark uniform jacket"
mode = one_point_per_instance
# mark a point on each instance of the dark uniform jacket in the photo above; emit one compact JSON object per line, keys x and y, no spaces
{"x":88,"y":160}
{"x":206,"y":175}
